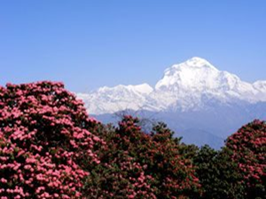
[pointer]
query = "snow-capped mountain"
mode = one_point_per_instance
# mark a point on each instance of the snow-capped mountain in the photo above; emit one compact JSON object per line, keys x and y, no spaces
{"x":191,"y":85}
{"x":199,"y":102}
{"x":111,"y":100}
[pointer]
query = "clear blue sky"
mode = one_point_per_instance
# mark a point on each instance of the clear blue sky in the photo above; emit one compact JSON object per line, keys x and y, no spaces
{"x":88,"y":44}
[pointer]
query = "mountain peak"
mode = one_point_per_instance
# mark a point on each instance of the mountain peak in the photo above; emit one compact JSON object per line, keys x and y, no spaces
{"x":197,"y":59}
{"x":194,"y":72}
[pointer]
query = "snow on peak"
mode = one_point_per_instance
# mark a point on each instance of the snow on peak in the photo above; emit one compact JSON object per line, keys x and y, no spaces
{"x":260,"y":85}
{"x":195,"y":72}
{"x":198,"y":62}
{"x":143,"y":88}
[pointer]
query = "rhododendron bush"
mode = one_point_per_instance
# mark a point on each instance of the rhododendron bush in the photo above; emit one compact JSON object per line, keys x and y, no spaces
{"x":238,"y":170}
{"x":249,"y":152}
{"x":144,"y":165}
{"x":45,"y":148}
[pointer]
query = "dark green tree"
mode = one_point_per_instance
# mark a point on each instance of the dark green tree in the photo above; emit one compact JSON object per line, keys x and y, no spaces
{"x":218,"y":174}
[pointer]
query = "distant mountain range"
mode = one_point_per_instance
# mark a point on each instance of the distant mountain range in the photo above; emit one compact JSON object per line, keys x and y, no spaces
{"x":199,"y":102}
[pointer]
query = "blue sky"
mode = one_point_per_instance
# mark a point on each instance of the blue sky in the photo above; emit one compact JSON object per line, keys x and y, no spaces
{"x":88,"y":44}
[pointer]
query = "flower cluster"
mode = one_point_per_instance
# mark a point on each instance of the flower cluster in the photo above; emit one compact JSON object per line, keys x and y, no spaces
{"x":249,"y":148}
{"x":45,"y":145}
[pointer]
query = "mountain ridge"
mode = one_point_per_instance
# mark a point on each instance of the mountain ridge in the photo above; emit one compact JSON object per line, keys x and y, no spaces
{"x":186,"y":86}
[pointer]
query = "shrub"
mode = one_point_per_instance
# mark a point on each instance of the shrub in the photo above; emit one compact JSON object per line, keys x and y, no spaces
{"x":140,"y":165}
{"x":218,"y":175}
{"x":248,"y":146}
{"x":45,"y":149}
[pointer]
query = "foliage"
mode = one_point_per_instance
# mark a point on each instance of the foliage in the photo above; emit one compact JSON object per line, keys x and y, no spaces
{"x":218,"y":175}
{"x":44,"y":147}
{"x":248,"y":146}
{"x":239,"y":169}
{"x":142,"y":165}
